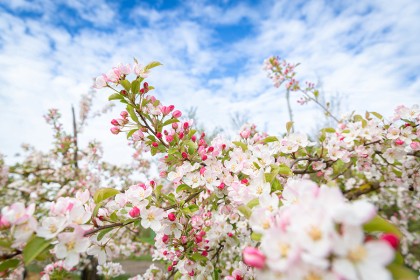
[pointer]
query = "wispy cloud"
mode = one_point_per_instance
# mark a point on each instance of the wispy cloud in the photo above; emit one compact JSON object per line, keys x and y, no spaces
{"x":212,"y":55}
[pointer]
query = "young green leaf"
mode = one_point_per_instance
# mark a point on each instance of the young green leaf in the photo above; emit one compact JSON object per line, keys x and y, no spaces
{"x":104,"y":193}
{"x":33,"y":248}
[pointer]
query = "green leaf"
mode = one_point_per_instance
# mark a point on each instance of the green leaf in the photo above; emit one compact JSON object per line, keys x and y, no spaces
{"x":135,"y":87}
{"x":245,"y":210}
{"x":182,"y":187}
{"x":197,"y":257}
{"x":285,"y":170}
{"x":241,"y":145}
{"x":329,"y":130}
{"x":102,"y":233}
{"x":178,"y":275}
{"x":400,"y":272}
{"x":152,"y":64}
{"x":158,"y":191}
{"x":126,"y":85}
{"x":316,"y":94}
{"x":289,"y":126}
{"x":170,"y":121}
{"x":192,"y":147}
{"x":115,"y":96}
{"x":96,"y":210}
{"x":132,"y":113}
{"x":379,"y":224}
{"x":270,"y":139}
{"x":190,"y":209}
{"x":131,"y":132}
{"x":379,"y":116}
{"x":216,"y":275}
{"x":104,"y":193}
{"x":33,"y":248}
{"x":253,"y":203}
{"x":256,"y":236}
{"x":9,"y":264}
{"x":114,"y":216}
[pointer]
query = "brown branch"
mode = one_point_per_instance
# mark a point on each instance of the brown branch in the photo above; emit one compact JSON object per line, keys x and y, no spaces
{"x":11,"y":255}
{"x":364,"y":189}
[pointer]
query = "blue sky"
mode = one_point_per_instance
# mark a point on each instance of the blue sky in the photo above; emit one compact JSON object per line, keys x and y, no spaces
{"x":212,"y":51}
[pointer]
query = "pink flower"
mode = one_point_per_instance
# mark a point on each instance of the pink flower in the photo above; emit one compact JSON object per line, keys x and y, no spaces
{"x":176,"y":114}
{"x":253,"y":257}
{"x":115,"y":130}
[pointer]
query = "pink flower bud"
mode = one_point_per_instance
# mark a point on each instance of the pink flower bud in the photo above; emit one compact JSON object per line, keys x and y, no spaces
{"x":221,"y":186}
{"x":175,"y":125}
{"x":165,"y":238}
{"x":135,"y":212}
{"x":124,"y":114}
{"x":165,"y":110}
{"x":169,"y":138}
{"x":171,"y":107}
{"x":183,"y":239}
{"x":245,"y":134}
{"x":115,"y":130}
{"x":114,"y":122}
{"x":253,"y":257}
{"x":399,"y":142}
{"x":391,"y":239}
{"x":159,"y":135}
{"x":170,"y":268}
{"x":171,"y":217}
{"x":181,"y":135}
{"x":184,"y":155}
{"x":154,"y":144}
{"x":193,"y":138}
{"x":176,"y":114}
{"x":204,"y":253}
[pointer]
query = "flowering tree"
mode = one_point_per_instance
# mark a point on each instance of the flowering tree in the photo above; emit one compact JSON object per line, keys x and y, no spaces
{"x":41,"y":180}
{"x":257,"y":207}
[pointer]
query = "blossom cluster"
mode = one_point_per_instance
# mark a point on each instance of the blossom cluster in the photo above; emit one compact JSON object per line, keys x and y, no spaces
{"x":255,"y":207}
{"x":316,"y":234}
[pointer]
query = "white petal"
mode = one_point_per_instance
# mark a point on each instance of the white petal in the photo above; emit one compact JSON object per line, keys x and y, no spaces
{"x":345,"y":269}
{"x":379,"y":252}
{"x":369,"y":272}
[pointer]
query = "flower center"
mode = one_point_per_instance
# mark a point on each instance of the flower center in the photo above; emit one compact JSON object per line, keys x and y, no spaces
{"x":53,"y":228}
{"x":70,"y":245}
{"x":312,"y":276}
{"x":315,"y":233}
{"x":357,"y":254}
{"x":284,"y":249}
{"x":150,"y":217}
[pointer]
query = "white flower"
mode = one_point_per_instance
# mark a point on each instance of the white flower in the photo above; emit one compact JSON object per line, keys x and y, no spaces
{"x":152,"y":218}
{"x":51,"y":226}
{"x":361,"y":261}
{"x":101,"y":252}
{"x":70,"y":245}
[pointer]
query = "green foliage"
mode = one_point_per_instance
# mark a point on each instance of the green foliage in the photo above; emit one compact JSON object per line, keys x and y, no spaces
{"x":104,"y":193}
{"x":34,"y":248}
